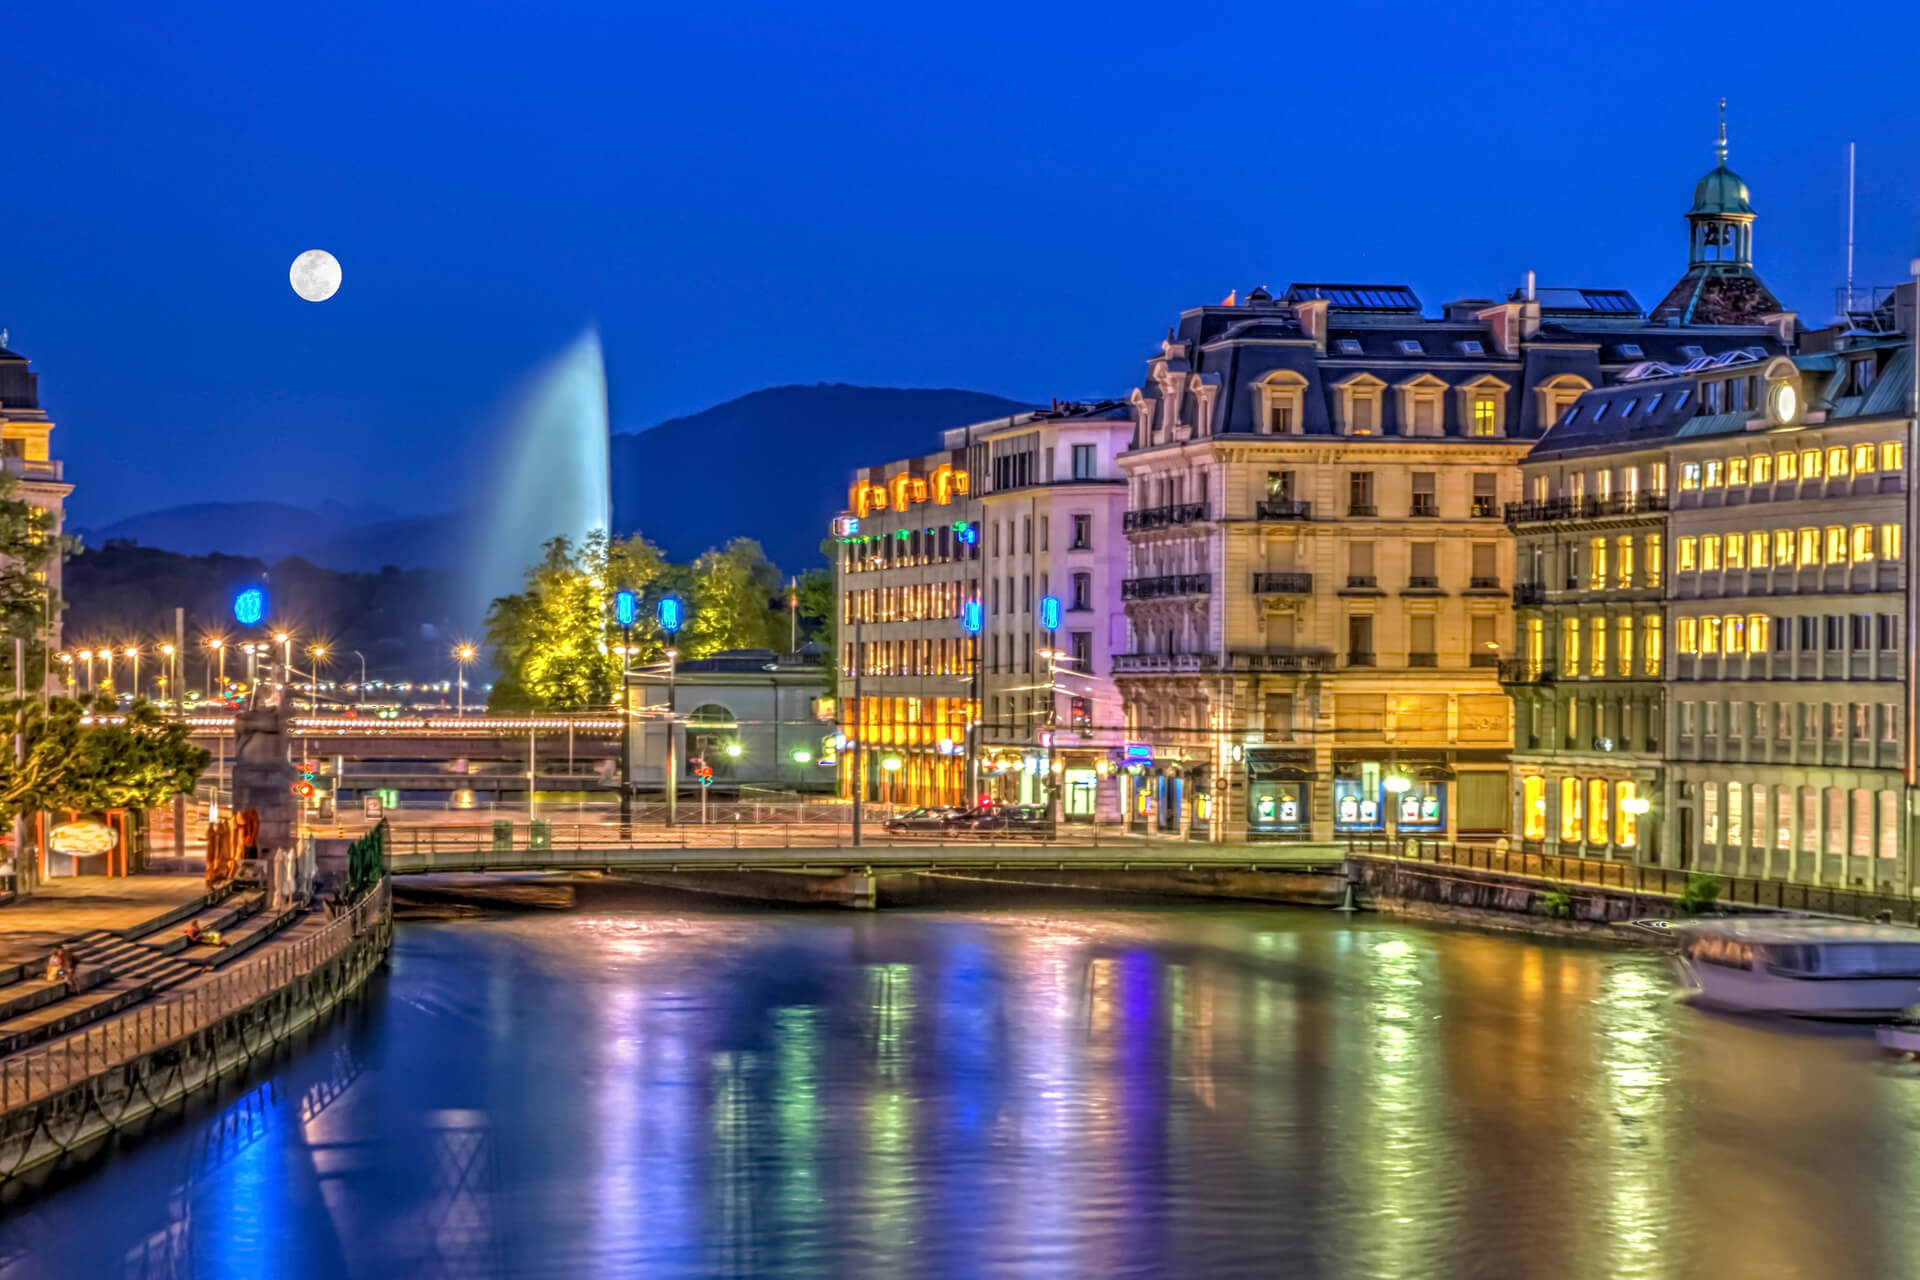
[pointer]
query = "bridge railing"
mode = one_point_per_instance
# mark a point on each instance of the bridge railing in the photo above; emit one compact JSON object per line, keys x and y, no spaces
{"x":34,"y":1074}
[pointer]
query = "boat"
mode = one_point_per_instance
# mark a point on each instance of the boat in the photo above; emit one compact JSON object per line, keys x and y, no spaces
{"x":1900,"y":1037}
{"x":1802,"y":968}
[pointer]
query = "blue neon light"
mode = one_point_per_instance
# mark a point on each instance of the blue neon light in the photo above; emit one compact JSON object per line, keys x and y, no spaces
{"x":670,"y":612}
{"x":624,"y":607}
{"x":973,"y":616}
{"x":1050,"y":612}
{"x":250,"y":606}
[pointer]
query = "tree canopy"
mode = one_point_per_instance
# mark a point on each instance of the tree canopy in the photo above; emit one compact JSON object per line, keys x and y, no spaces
{"x":140,"y":763}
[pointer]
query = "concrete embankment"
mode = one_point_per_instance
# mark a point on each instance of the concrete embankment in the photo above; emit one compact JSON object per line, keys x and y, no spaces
{"x":1507,"y":903}
{"x":62,"y":1100}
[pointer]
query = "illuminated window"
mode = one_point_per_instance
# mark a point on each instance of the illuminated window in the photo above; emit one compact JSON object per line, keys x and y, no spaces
{"x":1810,"y":464}
{"x":1735,"y":832}
{"x":1710,"y":552}
{"x":1623,"y":562}
{"x":1757,"y":544}
{"x":1836,"y":544}
{"x":1686,"y":635}
{"x":1889,"y":542}
{"x":1762,"y":470}
{"x":1626,"y":824}
{"x":1597,"y":566}
{"x":1597,"y":660}
{"x":1759,"y":633}
{"x":1689,"y":475}
{"x":1714,"y":473}
{"x":1736,"y":551}
{"x":1653,"y":560}
{"x":1809,"y":548}
{"x":1651,"y":652}
{"x":1837,"y":461}
{"x":1657,"y":477}
{"x":1862,"y":543}
{"x":1737,"y":471}
{"x":1623,"y":647}
{"x":1533,"y":808}
{"x":1736,"y":633}
{"x":1862,"y":459}
{"x":1789,"y":467}
{"x":1596,"y":811}
{"x":1890,"y":456}
{"x":1783,"y":548}
{"x":1710,"y":634}
{"x":1485,"y":415}
{"x":1570,"y":810}
{"x":1570,"y":645}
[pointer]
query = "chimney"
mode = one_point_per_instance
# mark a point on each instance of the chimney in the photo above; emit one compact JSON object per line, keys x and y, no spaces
{"x":1312,"y":314}
{"x":1529,"y":286}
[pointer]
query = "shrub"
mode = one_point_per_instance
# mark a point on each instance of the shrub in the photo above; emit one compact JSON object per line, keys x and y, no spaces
{"x":1557,"y":902}
{"x":1701,"y":893}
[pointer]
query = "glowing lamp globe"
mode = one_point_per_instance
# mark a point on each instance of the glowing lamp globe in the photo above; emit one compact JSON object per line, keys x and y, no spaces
{"x":670,"y":613}
{"x":1050,"y":612}
{"x":802,"y":756}
{"x":625,"y":608}
{"x":973,"y":616}
{"x":250,"y":606}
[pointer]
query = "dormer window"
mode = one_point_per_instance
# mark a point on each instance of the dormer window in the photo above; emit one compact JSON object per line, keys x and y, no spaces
{"x":1359,"y":403}
{"x":1348,"y":346}
{"x":1410,"y":347}
{"x":1483,"y":406}
{"x":1471,"y":347}
{"x":1601,"y":413}
{"x":1692,"y":352}
{"x":1558,"y":393}
{"x":1859,"y":376}
{"x":1654,"y":403}
{"x":1281,"y":396}
{"x":1630,"y":351}
{"x":1422,"y":406}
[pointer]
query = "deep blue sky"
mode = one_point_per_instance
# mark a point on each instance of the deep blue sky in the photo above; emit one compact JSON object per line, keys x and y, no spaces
{"x":1017,"y":199}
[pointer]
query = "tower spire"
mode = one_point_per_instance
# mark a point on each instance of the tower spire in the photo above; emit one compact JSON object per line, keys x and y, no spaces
{"x":1720,"y":148}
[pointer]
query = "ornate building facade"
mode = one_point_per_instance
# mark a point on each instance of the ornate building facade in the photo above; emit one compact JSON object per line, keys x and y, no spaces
{"x":26,"y":455}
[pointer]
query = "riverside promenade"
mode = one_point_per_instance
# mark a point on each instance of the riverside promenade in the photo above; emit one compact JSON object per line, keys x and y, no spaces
{"x":156,"y":1018}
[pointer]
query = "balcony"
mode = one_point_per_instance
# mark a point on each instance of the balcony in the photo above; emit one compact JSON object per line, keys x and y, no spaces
{"x":1361,"y":509}
{"x":31,"y":469}
{"x":1426,"y":506}
{"x":1283,"y":584}
{"x":1525,"y":593}
{"x":1169,"y":587}
{"x":1483,"y":584}
{"x":1362,"y":582}
{"x":1358,"y":659}
{"x":1483,"y":659}
{"x":1619,"y":504}
{"x":1283,"y":509}
{"x":1526,"y":671}
{"x":1423,"y":659}
{"x":1163,"y":517}
{"x":1161,"y":663}
{"x":1485,"y":509}
{"x":1294,"y":662}
{"x":1422,"y":582}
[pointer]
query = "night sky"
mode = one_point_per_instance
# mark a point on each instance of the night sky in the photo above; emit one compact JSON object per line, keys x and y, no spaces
{"x":1012,"y":199}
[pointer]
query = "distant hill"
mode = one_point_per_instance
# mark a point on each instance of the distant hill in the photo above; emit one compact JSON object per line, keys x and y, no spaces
{"x":772,"y":465}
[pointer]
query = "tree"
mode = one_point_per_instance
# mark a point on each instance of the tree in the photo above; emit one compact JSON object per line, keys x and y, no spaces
{"x":27,"y":603}
{"x":819,"y":609}
{"x":731,"y":605}
{"x":553,"y":641}
{"x":139,"y":764}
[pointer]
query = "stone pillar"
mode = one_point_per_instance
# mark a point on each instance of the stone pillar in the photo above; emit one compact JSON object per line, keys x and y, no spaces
{"x":263,"y":778}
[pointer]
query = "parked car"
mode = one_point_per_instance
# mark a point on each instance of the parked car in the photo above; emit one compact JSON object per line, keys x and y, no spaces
{"x":926,"y":818}
{"x":1012,"y":819}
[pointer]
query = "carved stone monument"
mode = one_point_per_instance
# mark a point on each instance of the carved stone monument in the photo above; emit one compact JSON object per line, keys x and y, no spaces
{"x":263,"y":780}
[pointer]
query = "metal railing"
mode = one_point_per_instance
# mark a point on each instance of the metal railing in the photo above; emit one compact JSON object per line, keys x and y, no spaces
{"x":1283,"y":584}
{"x":1283,"y":509}
{"x":1155,"y":662}
{"x":1634,"y":877}
{"x":1163,"y":517}
{"x":1529,"y":593}
{"x":1166,"y":587}
{"x":38,"y":1073}
{"x":1527,"y":671}
{"x":1619,"y":504}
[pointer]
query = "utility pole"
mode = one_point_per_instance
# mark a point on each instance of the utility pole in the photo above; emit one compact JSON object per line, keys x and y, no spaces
{"x":859,"y":739}
{"x":178,"y":660}
{"x":626,"y":733}
{"x":673,"y":744}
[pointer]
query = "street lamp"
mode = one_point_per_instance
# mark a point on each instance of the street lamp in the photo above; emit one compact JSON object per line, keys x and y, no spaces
{"x":132,"y":652}
{"x":314,"y":654}
{"x":285,"y":640}
{"x":462,"y":655}
{"x":973,"y":619}
{"x":172,"y":679}
{"x":66,"y":660}
{"x":86,"y":656}
{"x":670,"y":614}
{"x":219,"y":648}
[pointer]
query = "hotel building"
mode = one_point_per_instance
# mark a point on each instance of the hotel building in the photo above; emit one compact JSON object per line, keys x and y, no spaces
{"x":26,"y":455}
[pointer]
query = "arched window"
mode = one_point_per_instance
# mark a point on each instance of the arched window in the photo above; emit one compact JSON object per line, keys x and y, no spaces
{"x":711,"y":729}
{"x":1281,"y":402}
{"x":1423,"y":406}
{"x":1557,"y":395}
{"x":1483,"y":406}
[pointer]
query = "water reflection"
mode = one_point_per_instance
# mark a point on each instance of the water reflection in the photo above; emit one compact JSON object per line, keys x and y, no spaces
{"x":647,"y":1089}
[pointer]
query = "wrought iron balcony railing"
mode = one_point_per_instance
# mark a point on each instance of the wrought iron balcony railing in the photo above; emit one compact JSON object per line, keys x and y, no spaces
{"x":1619,"y":504}
{"x":1283,"y":584}
{"x":1167,"y":587}
{"x":1283,"y":509}
{"x":1526,"y":671}
{"x":1163,"y":517}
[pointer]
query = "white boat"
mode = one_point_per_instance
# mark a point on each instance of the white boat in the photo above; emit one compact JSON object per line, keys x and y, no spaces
{"x":1803,"y":968}
{"x":1900,"y":1037}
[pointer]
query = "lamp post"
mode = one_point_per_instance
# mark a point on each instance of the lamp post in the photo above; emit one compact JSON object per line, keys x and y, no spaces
{"x":671,"y":614}
{"x":973,"y":619}
{"x":314,"y":654}
{"x":172,"y":679}
{"x":66,"y":660}
{"x":462,"y":655}
{"x":133,"y":655}
{"x":625,"y":607}
{"x":285,"y":640}
{"x":1050,"y":620}
{"x":86,"y":656}
{"x":219,"y":648}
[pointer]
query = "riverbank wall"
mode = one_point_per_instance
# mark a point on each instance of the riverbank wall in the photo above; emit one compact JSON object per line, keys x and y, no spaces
{"x":877,"y":889}
{"x":61,"y":1100}
{"x":1506,"y":903}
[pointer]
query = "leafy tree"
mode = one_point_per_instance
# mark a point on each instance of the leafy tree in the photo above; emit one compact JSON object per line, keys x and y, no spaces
{"x":820,"y":610}
{"x":27,"y":604}
{"x":139,"y":764}
{"x":732,"y":599}
{"x":553,"y":641}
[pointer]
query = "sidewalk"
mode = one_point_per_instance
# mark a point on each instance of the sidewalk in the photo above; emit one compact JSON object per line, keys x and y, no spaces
{"x":59,"y":909}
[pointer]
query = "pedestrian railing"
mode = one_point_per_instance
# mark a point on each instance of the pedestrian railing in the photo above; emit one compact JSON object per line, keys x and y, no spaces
{"x":1634,"y":877}
{"x":33,"y":1074}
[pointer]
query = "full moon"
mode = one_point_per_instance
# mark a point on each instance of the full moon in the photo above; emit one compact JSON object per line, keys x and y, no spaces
{"x":315,"y":275}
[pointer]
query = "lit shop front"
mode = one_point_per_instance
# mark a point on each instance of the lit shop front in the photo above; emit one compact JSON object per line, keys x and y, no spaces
{"x":1279,"y":794}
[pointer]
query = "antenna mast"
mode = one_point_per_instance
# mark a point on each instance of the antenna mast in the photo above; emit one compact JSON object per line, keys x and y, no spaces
{"x":1850,"y":226}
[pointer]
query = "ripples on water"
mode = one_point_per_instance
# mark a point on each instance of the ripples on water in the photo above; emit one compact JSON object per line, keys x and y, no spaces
{"x":644,"y":1088}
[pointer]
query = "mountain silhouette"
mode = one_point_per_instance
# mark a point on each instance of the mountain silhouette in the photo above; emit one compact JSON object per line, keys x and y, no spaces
{"x":772,"y":465}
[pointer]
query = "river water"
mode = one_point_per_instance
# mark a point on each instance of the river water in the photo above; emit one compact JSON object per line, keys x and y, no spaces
{"x":649,"y":1086}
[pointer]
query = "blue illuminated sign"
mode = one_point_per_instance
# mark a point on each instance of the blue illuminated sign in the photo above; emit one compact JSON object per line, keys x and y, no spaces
{"x":624,"y":607}
{"x":973,"y":616}
{"x":1050,"y":612}
{"x":1139,"y":753}
{"x":250,"y":606}
{"x":670,"y":612}
{"x":967,"y":533}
